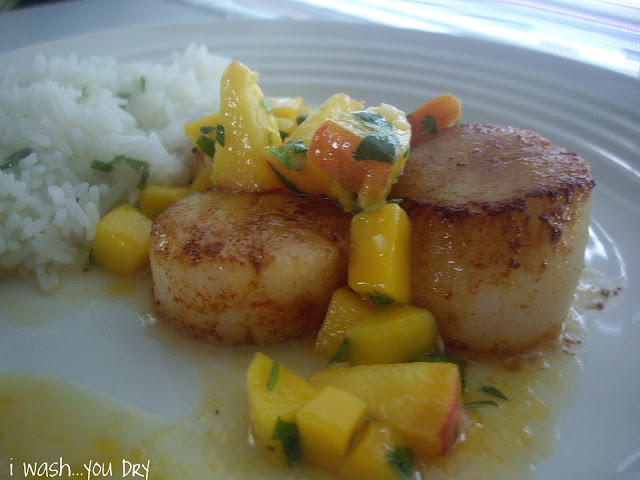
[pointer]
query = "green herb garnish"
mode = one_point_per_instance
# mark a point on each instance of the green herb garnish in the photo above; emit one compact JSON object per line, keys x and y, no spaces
{"x":301,"y":118}
{"x":207,"y":145}
{"x":287,"y":433}
{"x":374,"y":120}
{"x":220,"y":134}
{"x":378,"y":298}
{"x":292,"y":155}
{"x":283,"y":134}
{"x":480,"y":404}
{"x":285,"y":181}
{"x":265,"y":104}
{"x":141,"y":167}
{"x":206,"y":129}
{"x":14,"y":159}
{"x":493,"y":391}
{"x":273,"y":376}
{"x":340,"y":354}
{"x":376,"y":146}
{"x":102,"y":166}
{"x":401,"y":461}
{"x":429,"y":124}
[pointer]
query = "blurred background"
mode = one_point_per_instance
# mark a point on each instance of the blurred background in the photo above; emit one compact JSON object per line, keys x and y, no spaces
{"x":599,"y":32}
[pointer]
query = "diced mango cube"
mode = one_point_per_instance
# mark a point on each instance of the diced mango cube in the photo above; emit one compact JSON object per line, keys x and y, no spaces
{"x":375,"y":454}
{"x":345,"y":309}
{"x":155,"y":198}
{"x":327,"y":425}
{"x":202,"y":182}
{"x":274,"y":392}
{"x":247,"y":129}
{"x":423,"y":401}
{"x":379,"y":260}
{"x":393,"y":334}
{"x":121,"y":242}
{"x":288,"y":107}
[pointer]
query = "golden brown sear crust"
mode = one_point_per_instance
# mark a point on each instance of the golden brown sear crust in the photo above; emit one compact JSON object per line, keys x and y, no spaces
{"x":248,"y":268}
{"x":499,"y":226}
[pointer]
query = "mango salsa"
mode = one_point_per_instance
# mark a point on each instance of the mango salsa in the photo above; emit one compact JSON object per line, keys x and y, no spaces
{"x":379,"y":260}
{"x":121,"y":242}
{"x":290,"y":163}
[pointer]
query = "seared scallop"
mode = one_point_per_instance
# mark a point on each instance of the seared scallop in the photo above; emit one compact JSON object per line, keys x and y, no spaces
{"x":246,"y":268}
{"x":499,"y":227}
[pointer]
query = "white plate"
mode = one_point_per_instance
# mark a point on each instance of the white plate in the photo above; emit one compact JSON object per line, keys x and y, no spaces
{"x":588,"y":110}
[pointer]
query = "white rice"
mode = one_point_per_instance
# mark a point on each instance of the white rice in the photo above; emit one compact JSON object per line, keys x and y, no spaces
{"x":70,"y":112}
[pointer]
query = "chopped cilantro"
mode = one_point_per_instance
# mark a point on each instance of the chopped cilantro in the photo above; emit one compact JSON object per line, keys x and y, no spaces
{"x":206,"y":129}
{"x":283,"y":134}
{"x":480,"y":403}
{"x":284,"y":180}
{"x":287,"y":433}
{"x":207,"y":145}
{"x":102,"y":166}
{"x":141,"y":167}
{"x":273,"y":376}
{"x":377,"y":146}
{"x":493,"y":391}
{"x":265,"y":104}
{"x":301,"y":118}
{"x":378,"y":298}
{"x":291,"y":155}
{"x":13,"y":159}
{"x":401,"y":461}
{"x":374,"y":120}
{"x":220,"y":134}
{"x":429,"y":124}
{"x":340,"y":354}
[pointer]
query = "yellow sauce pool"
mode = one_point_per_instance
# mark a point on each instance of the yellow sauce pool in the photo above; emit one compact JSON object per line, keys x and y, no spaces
{"x":57,"y":429}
